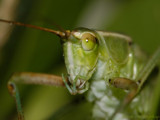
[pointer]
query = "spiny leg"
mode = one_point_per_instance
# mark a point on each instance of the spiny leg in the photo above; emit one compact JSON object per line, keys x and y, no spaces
{"x":30,"y":78}
{"x":132,"y":86}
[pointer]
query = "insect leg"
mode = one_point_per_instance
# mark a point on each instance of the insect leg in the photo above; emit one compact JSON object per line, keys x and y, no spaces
{"x":153,"y":61}
{"x":133,"y":86}
{"x":125,"y":84}
{"x":30,"y":78}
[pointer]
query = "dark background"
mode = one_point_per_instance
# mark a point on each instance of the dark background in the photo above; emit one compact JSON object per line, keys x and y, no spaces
{"x":32,"y":50}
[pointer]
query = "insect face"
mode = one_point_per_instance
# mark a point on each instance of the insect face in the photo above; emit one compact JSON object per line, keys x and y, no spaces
{"x":81,"y":55}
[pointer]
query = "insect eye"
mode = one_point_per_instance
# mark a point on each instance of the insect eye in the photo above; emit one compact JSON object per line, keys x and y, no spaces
{"x":88,"y":41}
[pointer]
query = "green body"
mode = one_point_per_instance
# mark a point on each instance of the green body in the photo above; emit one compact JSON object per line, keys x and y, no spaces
{"x":113,"y":55}
{"x":108,"y":67}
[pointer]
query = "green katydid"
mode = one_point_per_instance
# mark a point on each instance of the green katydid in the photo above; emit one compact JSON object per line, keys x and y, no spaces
{"x":108,"y":66}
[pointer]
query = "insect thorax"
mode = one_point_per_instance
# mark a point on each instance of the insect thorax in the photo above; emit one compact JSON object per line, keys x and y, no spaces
{"x":105,"y":96}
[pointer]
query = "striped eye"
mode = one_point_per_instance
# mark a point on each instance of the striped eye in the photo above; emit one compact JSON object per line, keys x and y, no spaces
{"x":88,"y":41}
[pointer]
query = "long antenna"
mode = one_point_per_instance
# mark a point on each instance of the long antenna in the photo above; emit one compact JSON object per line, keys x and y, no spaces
{"x":59,"y":33}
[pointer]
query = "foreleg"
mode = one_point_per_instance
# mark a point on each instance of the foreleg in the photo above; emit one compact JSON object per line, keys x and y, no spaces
{"x":30,"y":78}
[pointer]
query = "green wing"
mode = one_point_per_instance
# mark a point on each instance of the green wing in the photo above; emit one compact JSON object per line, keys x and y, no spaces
{"x":117,"y":45}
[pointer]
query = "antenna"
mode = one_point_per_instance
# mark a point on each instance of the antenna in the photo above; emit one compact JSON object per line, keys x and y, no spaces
{"x":58,"y":33}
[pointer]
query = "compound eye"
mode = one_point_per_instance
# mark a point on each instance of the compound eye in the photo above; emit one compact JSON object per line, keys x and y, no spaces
{"x":88,"y":41}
